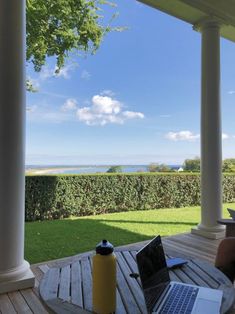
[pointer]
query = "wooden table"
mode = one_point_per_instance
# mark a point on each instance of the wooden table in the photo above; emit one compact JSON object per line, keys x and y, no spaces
{"x":230,"y":226}
{"x":72,"y":283}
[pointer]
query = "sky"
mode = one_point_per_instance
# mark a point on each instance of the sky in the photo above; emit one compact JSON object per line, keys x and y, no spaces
{"x":136,"y":101}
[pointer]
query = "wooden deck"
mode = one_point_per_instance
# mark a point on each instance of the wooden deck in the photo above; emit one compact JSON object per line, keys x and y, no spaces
{"x":28,"y":301}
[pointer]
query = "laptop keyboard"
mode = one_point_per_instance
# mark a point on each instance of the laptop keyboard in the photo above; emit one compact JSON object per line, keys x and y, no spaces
{"x":180,"y":300}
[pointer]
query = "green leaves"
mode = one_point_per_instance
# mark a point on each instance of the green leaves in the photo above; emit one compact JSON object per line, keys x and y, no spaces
{"x":53,"y":197}
{"x":192,"y":164}
{"x":57,"y":27}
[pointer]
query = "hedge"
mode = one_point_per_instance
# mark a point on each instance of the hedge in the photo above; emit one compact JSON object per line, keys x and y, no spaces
{"x":53,"y":197}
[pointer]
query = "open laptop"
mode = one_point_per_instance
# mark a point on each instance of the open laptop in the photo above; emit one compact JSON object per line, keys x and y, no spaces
{"x":163,"y":296}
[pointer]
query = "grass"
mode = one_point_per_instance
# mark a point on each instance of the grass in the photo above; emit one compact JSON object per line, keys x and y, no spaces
{"x":59,"y":238}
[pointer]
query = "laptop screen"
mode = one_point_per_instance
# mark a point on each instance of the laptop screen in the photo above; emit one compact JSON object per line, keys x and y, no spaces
{"x":153,"y":271}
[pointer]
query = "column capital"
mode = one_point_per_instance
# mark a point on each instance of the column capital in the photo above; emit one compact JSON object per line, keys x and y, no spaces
{"x":208,"y":22}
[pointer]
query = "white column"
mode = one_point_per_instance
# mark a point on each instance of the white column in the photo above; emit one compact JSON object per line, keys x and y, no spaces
{"x":211,"y":136}
{"x":14,"y":270}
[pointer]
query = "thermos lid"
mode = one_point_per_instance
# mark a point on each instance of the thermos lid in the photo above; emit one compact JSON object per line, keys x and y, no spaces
{"x":104,"y":248}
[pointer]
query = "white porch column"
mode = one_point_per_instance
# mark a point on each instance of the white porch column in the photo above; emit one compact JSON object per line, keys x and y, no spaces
{"x":211,"y":136}
{"x":14,"y":270}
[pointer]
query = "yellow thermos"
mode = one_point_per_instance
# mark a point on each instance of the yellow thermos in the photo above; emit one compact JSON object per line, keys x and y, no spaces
{"x":104,"y":279}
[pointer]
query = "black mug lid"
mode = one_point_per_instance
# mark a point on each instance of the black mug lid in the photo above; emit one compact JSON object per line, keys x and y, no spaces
{"x":104,"y":248}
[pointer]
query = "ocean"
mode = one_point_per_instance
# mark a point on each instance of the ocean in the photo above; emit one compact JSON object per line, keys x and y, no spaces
{"x":61,"y":169}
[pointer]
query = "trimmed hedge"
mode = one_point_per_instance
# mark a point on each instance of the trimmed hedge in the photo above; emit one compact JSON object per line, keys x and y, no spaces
{"x":53,"y":197}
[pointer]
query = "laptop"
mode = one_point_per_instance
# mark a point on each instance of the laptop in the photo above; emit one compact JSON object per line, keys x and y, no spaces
{"x":231,"y":212}
{"x":164,"y":296}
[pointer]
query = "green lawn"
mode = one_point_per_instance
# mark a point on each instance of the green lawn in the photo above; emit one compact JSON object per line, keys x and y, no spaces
{"x":59,"y":238}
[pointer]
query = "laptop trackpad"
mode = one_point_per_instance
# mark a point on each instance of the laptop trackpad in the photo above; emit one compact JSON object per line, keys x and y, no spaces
{"x":206,"y":306}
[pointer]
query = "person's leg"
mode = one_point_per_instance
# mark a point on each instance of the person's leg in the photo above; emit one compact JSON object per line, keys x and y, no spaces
{"x":225,"y":258}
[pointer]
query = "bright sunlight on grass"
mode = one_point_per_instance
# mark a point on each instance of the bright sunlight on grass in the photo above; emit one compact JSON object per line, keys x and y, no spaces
{"x":59,"y":238}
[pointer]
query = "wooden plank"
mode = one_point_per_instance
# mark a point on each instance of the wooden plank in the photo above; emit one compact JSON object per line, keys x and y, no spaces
{"x":133,"y":285}
{"x":194,"y":278}
{"x":86,"y":283}
{"x":191,"y":238}
{"x":214,"y":273}
{"x":131,"y":261}
{"x":76,"y":284}
{"x":64,"y":260}
{"x":38,"y":273}
{"x":186,"y":252}
{"x":196,"y":245}
{"x":211,"y":282}
{"x":126,"y":294}
{"x":33,"y":302}
{"x":182,"y":274}
{"x":120,"y":308}
{"x":44,"y":268}
{"x":64,"y":286}
{"x":190,"y":249}
{"x":6,"y":305}
{"x":19,"y":303}
{"x":133,"y":253}
{"x":49,"y":284}
{"x":174,"y":277}
{"x":36,"y":288}
{"x":63,"y":307}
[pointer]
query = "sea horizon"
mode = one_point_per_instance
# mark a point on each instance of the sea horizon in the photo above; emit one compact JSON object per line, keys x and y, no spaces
{"x":83,"y":169}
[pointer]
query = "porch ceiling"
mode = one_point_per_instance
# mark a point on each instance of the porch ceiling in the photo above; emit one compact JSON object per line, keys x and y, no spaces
{"x":193,"y":11}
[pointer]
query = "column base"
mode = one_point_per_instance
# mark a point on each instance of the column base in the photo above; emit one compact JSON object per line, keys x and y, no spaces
{"x":27,"y":281}
{"x":207,"y":233}
{"x":17,"y":278}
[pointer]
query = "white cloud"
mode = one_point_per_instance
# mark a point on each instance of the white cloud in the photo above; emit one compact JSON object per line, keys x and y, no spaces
{"x":85,"y":75}
{"x":69,"y":105}
{"x":182,"y":136}
{"x":106,"y":105}
{"x":31,"y":108}
{"x":107,"y":92}
{"x":225,"y":136}
{"x":100,"y":110}
{"x":46,"y":73}
{"x":231,"y":92}
{"x":105,"y":110}
{"x":86,"y":114}
{"x":133,"y":115}
{"x":187,"y":136}
{"x":64,"y":72}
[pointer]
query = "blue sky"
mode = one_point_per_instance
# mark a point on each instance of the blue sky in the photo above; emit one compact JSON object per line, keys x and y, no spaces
{"x":136,"y":101}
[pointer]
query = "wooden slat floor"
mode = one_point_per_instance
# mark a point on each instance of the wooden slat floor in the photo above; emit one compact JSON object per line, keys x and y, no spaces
{"x":28,"y":300}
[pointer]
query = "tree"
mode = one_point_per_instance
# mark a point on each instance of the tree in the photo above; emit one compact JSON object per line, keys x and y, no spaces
{"x":115,"y":169}
{"x":58,"y":27}
{"x":192,"y":164}
{"x":228,"y":165}
{"x":158,"y":168}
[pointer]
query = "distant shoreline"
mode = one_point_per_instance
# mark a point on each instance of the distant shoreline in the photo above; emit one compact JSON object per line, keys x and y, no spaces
{"x":89,"y":169}
{"x":51,"y":170}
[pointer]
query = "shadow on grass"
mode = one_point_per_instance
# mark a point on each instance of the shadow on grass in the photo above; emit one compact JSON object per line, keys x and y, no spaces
{"x":186,"y":223}
{"x":49,"y":240}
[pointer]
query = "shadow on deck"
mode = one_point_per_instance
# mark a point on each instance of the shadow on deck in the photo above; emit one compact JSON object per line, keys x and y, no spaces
{"x":185,"y":245}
